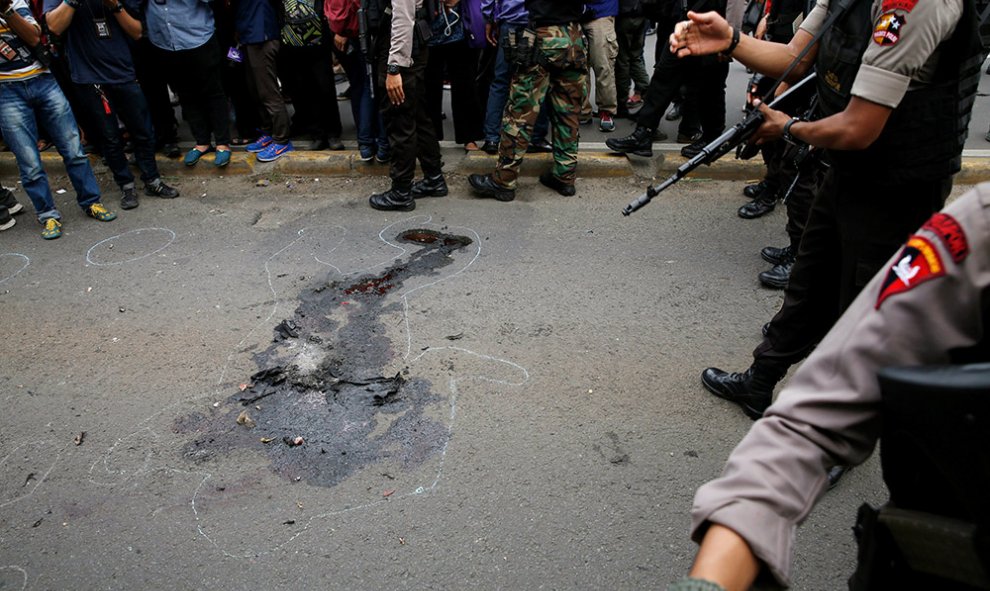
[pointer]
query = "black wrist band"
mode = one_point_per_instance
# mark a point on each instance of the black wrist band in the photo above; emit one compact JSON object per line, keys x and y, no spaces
{"x":727,"y":52}
{"x":72,"y":3}
{"x":118,"y":8}
{"x":786,"y":135}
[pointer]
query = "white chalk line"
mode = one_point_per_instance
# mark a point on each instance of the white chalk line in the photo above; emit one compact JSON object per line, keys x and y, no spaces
{"x":27,"y":262}
{"x":21,"y":571}
{"x":39,"y":480}
{"x":137,"y":258}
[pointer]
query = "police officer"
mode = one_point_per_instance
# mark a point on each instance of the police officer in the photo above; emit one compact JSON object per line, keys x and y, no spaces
{"x":402,"y":52}
{"x":552,"y":60}
{"x":928,"y":306}
{"x":896,"y":84}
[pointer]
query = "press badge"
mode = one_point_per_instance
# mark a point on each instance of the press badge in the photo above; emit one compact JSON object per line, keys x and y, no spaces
{"x":102,"y":28}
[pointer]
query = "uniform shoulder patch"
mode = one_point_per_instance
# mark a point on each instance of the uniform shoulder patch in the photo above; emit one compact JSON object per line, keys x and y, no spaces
{"x":888,"y":28}
{"x":917,"y":263}
{"x":951,"y":234}
{"x":905,"y":5}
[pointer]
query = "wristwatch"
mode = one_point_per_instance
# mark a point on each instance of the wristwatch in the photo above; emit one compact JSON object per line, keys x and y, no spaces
{"x":118,"y":8}
{"x":786,"y":136}
{"x":392,"y":69}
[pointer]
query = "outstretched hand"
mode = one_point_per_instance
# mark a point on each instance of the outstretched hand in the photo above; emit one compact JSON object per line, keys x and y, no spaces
{"x":702,"y":34}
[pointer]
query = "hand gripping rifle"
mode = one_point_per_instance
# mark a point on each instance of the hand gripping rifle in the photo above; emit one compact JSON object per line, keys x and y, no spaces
{"x":719,"y":147}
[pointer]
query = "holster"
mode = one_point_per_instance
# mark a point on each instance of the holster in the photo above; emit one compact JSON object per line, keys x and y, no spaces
{"x":522,"y":49}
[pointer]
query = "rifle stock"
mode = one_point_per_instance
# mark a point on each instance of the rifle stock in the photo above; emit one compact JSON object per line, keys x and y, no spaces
{"x":719,"y":147}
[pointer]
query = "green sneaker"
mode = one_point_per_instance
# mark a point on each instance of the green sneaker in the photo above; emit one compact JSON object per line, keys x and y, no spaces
{"x":53,"y":229}
{"x":97,"y":211}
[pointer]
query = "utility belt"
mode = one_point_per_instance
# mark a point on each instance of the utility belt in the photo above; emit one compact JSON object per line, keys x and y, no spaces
{"x":558,"y":47}
{"x":901,"y":549}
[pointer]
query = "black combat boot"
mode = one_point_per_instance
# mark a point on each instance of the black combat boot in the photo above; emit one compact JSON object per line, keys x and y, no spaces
{"x":639,"y":143}
{"x":778,"y":276}
{"x":547,"y":179}
{"x":433,"y":186}
{"x":393,"y":200}
{"x":485,"y":186}
{"x":758,"y":207}
{"x":755,"y":190}
{"x":777,"y":256}
{"x":752,"y":389}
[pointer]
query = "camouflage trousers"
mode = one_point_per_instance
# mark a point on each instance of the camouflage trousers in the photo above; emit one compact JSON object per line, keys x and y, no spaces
{"x":560,"y":73}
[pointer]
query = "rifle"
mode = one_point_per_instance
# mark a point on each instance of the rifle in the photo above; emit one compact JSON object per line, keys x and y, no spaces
{"x":719,"y":147}
{"x":365,"y":46}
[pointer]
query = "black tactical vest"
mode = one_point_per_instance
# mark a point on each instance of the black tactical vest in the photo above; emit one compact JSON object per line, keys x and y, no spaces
{"x":924,"y":137}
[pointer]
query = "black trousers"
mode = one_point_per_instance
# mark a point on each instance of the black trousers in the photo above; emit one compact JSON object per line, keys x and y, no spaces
{"x":154,"y":80}
{"x":459,"y":63}
{"x":410,"y":130}
{"x":782,"y":175}
{"x":855,"y":225}
{"x":307,"y":74}
{"x":196,"y":75}
{"x":705,"y":79}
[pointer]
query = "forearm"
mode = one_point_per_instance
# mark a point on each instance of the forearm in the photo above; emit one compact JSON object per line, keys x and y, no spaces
{"x":59,"y":18}
{"x":725,"y":558}
{"x":26,"y":30}
{"x":131,"y":25}
{"x":854,"y":128}
{"x":772,"y":59}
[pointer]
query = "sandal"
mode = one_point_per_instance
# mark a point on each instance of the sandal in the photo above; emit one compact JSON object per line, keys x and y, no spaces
{"x":193,"y":156}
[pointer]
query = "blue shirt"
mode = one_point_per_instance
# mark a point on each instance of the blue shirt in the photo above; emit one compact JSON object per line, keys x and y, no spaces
{"x":603,"y":8}
{"x":509,"y":12}
{"x":93,"y":60}
{"x":175,"y":25}
{"x":255,"y":21}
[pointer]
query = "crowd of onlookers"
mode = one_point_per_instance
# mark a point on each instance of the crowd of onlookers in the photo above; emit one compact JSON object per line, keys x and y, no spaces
{"x":258,"y":74}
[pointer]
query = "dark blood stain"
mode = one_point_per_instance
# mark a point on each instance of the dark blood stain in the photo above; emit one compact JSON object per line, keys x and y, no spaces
{"x":347,"y":413}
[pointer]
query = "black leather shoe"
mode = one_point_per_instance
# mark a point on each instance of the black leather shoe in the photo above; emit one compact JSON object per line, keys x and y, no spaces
{"x":750,"y":391}
{"x":171,"y":150}
{"x":547,"y":179}
{"x":485,"y":186}
{"x":836,"y":474}
{"x":777,"y":277}
{"x":392,"y":200}
{"x":687,"y":138}
{"x":757,"y":207}
{"x":755,"y":190}
{"x":694,"y":148}
{"x":490,"y":147}
{"x":674,"y":113}
{"x":429,"y":187}
{"x":537,"y":147}
{"x":766,"y":329}
{"x":129,"y":199}
{"x":639,"y":143}
{"x":777,"y":256}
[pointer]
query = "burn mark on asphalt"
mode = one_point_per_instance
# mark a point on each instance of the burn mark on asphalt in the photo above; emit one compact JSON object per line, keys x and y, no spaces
{"x":323,"y":379}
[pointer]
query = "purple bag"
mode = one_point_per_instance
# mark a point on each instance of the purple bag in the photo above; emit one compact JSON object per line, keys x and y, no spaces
{"x":474,"y":23}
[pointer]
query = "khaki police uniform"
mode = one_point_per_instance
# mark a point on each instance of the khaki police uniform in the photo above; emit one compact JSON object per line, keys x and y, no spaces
{"x":928,"y":304}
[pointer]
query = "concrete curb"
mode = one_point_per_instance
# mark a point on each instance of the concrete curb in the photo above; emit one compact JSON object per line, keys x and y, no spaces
{"x":593,"y":162}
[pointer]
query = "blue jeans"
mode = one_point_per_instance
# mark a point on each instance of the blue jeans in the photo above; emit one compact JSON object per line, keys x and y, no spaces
{"x":499,"y":95}
{"x":367,"y":117}
{"x":127,"y":102}
{"x":24,"y":104}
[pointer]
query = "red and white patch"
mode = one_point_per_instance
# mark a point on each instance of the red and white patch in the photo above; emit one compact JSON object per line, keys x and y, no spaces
{"x":888,"y":29}
{"x":951,"y":234}
{"x":918,"y":262}
{"x":905,"y":5}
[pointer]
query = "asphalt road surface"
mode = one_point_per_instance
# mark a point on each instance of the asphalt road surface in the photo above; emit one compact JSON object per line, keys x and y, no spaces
{"x":277,"y":387}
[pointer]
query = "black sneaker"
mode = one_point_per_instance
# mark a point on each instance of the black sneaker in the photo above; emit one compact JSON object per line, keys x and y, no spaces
{"x":485,"y":186}
{"x":777,"y":256}
{"x":158,"y":188}
{"x":6,"y":222}
{"x":687,"y":138}
{"x":674,"y":113}
{"x":392,"y":200}
{"x":128,"y":199}
{"x":171,"y":150}
{"x":435,"y":186}
{"x":639,"y":143}
{"x":489,"y":147}
{"x":547,"y":179}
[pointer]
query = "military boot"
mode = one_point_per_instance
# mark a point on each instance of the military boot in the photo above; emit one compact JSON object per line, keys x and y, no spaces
{"x":758,"y":207}
{"x":433,"y":186}
{"x":639,"y":143}
{"x":778,"y":276}
{"x":393,"y":200}
{"x":752,"y":390}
